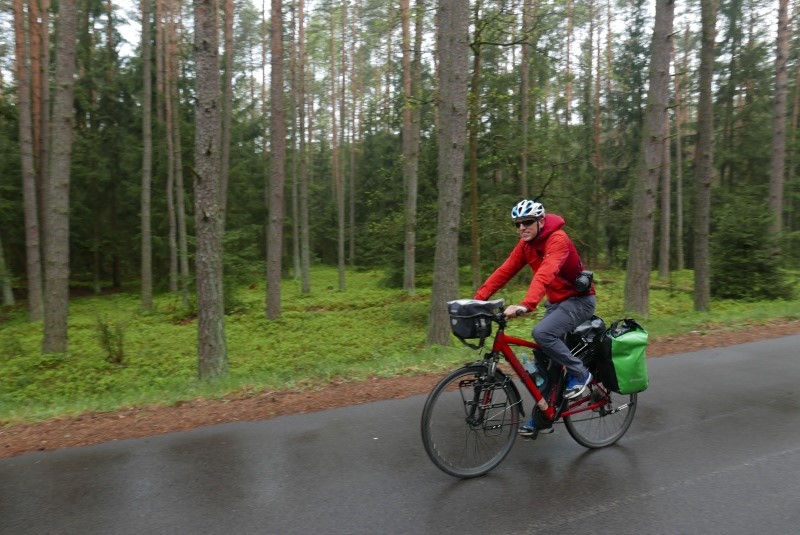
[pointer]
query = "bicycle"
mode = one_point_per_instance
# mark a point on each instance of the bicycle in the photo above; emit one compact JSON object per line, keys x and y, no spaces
{"x":471,"y":417}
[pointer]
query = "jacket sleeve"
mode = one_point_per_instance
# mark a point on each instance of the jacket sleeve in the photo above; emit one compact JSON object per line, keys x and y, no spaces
{"x":556,"y":251}
{"x":503,"y":274}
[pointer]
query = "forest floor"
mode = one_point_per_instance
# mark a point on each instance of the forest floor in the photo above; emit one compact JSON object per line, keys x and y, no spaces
{"x":136,"y":422}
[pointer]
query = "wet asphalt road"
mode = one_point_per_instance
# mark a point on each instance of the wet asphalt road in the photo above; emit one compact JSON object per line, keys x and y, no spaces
{"x":714,"y":448}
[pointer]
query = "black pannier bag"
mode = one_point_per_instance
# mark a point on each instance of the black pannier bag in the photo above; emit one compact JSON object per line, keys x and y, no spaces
{"x":471,"y":319}
{"x":586,"y":341}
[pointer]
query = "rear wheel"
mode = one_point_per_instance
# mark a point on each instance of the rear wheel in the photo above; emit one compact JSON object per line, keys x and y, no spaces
{"x":602,"y":425}
{"x":470,"y":421}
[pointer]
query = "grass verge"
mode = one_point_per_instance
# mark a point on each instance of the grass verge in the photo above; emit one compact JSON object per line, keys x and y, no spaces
{"x":120,"y":357}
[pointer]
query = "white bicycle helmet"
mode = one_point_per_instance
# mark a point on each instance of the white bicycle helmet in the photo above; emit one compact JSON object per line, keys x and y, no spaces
{"x":527,"y":208}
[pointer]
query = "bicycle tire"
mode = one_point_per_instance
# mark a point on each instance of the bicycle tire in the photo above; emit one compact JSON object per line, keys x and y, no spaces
{"x":602,"y":427}
{"x":465,"y":438}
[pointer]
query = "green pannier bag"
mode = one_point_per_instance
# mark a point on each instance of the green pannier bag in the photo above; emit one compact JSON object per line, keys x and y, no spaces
{"x":623,"y":366}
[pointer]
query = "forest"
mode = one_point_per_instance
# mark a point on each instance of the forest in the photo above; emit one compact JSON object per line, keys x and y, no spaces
{"x":162,"y":146}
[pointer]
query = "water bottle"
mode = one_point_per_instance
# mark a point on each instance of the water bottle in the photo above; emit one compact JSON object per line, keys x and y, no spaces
{"x":530,"y":366}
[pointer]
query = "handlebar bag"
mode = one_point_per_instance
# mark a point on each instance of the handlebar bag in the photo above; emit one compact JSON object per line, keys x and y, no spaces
{"x":472,"y":319}
{"x":623,"y":365}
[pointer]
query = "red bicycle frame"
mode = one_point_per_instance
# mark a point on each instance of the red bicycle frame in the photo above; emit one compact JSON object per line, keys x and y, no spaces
{"x":502,"y":344}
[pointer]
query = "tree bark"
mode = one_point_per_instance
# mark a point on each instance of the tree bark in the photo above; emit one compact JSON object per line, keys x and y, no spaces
{"x":147,"y":161}
{"x":568,"y":86}
{"x":338,"y":181}
{"x":39,"y":29}
{"x":56,"y":272}
{"x":348,"y":199}
{"x":164,"y":107}
{"x":453,"y":53}
{"x":474,"y":103}
{"x":410,"y":149}
{"x":680,"y":112}
{"x":293,"y":141}
{"x":637,"y":282}
{"x":305,"y":246}
{"x":172,"y":211}
{"x":227,"y":106}
{"x":704,"y":158}
{"x":597,"y":154}
{"x":666,"y":206}
{"x":211,"y":344}
{"x":524,"y":89}
{"x":5,"y":280}
{"x":26,"y":145}
{"x":778,"y":164}
{"x":277,"y":165}
{"x":176,"y":159}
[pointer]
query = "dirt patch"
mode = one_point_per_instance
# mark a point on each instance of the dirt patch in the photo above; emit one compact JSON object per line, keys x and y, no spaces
{"x":96,"y":428}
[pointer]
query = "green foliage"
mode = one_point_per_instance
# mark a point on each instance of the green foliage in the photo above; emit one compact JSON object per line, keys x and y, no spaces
{"x":111,"y":336}
{"x":372,"y":328}
{"x":744,"y":259}
{"x":368,"y":330}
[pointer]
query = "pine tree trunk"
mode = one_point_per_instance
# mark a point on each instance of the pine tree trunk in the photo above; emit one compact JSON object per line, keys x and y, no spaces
{"x":147,"y":161}
{"x":411,"y":133}
{"x":388,"y":69}
{"x":29,"y":189}
{"x":342,"y":206}
{"x":355,"y":135}
{"x":453,"y":53}
{"x":777,"y":169}
{"x":293,"y":141}
{"x":277,"y":165}
{"x":704,"y":158}
{"x":227,"y":106}
{"x":338,"y":185}
{"x":305,"y":246}
{"x":56,"y":256}
{"x":680,"y":112}
{"x":474,"y":103}
{"x":637,"y":281}
{"x":176,"y":159}
{"x":791,"y":165}
{"x":164,"y":105}
{"x":5,"y":280}
{"x":568,"y":86}
{"x":212,"y":349}
{"x":39,"y":30}
{"x":597,"y":155}
{"x":159,"y":53}
{"x":524,"y":90}
{"x":666,"y":205}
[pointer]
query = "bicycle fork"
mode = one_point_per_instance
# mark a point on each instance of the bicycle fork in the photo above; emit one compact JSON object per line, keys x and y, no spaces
{"x":483,"y":410}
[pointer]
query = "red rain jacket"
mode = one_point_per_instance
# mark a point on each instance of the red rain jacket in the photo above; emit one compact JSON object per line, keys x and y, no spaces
{"x":555,"y":263}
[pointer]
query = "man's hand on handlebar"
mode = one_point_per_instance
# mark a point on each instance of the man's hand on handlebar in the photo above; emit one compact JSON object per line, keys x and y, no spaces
{"x":514,"y":311}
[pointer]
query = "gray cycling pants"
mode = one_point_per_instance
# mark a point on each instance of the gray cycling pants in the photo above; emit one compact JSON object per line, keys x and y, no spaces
{"x":559,"y":319}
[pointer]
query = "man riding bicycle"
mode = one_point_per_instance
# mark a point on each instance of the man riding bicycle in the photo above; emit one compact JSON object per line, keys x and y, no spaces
{"x":556,"y":267}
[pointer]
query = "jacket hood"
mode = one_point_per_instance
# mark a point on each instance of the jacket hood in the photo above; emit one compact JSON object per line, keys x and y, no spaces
{"x":552,"y":223}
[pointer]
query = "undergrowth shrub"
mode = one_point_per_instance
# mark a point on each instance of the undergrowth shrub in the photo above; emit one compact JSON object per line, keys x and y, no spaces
{"x":111,"y":336}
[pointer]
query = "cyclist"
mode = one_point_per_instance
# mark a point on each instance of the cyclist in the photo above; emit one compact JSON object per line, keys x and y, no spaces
{"x":556,"y":265}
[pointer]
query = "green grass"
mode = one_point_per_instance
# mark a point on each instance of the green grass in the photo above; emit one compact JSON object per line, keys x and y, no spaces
{"x":367,"y":330}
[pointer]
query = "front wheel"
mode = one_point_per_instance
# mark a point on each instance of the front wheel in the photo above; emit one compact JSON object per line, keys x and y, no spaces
{"x":604,"y":419}
{"x":470,"y":421}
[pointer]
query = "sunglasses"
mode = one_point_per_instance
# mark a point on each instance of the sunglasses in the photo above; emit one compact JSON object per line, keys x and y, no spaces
{"x":526,"y":223}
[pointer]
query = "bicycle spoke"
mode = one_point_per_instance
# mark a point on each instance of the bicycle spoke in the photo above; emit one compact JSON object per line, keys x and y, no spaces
{"x":601,"y":418}
{"x":468,"y":429}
